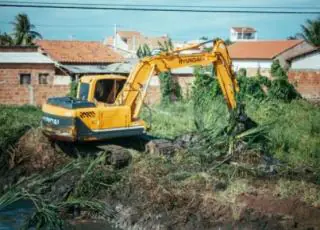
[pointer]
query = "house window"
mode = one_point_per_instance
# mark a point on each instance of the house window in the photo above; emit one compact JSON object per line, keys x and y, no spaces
{"x":25,"y":79}
{"x":43,"y":78}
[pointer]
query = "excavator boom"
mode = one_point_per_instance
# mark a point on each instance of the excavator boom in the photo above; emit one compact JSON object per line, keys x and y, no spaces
{"x":137,"y":83}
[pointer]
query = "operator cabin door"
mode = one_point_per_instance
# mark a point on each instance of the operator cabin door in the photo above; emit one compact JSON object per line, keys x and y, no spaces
{"x":111,"y":116}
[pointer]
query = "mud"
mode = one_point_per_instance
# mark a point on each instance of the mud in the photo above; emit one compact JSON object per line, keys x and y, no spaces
{"x":294,"y":213}
{"x":144,"y":200}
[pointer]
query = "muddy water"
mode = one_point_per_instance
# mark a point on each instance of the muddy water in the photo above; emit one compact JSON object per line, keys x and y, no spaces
{"x":12,"y":217}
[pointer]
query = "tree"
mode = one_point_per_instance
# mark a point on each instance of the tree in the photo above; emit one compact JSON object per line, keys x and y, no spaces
{"x":311,"y":31}
{"x":166,"y":46}
{"x":294,"y":37}
{"x":143,"y":51}
{"x":23,"y":32}
{"x":228,"y":42}
{"x":5,"y":39}
{"x":204,"y":38}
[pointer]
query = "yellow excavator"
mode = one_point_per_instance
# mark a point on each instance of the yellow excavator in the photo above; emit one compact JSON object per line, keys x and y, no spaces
{"x":108,"y":106}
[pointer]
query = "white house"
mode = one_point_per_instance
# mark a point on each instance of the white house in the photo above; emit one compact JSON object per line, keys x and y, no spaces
{"x":243,"y":34}
{"x":259,"y":55}
{"x":308,"y":61}
{"x":128,"y":42}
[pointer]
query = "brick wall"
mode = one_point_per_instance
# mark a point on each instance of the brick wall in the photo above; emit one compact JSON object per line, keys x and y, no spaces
{"x":154,"y":93}
{"x":185,"y":82}
{"x":13,"y":93}
{"x":307,"y":82}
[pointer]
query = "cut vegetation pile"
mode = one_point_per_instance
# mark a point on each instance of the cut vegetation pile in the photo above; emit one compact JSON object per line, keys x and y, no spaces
{"x":267,"y":177}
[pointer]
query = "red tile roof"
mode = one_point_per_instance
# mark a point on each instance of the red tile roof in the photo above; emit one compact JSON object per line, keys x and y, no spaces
{"x":260,"y":49}
{"x":78,"y":51}
{"x":244,"y":29}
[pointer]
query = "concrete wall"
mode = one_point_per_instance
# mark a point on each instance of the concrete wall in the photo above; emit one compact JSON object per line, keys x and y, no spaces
{"x":252,"y":66}
{"x":12,"y":92}
{"x":311,"y":61}
{"x":307,"y":82}
{"x":120,"y":43}
{"x":251,"y":63}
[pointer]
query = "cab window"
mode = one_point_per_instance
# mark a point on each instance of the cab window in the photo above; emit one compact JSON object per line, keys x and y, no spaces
{"x":107,"y":90}
{"x":83,"y":91}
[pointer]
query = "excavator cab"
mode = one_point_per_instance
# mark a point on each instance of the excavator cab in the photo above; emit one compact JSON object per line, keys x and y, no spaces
{"x":93,"y":115}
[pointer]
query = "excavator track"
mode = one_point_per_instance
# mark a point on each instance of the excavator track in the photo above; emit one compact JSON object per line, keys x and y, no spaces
{"x":119,"y":150}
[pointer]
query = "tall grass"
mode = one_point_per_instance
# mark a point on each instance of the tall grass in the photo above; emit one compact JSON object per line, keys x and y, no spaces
{"x":294,"y":133}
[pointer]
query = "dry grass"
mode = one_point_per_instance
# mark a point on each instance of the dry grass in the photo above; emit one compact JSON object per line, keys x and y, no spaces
{"x":307,"y":192}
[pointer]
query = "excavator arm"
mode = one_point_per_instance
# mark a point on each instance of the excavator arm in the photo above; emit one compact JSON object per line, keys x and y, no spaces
{"x":135,"y":88}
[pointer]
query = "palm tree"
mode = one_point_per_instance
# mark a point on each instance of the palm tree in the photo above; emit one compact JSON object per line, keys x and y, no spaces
{"x":23,"y":30}
{"x":5,"y":39}
{"x":311,"y":31}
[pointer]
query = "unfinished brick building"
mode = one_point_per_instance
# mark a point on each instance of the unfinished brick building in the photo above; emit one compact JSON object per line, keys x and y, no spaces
{"x":28,"y":77}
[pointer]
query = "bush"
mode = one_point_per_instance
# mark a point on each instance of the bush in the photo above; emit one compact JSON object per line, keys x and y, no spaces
{"x":281,"y":89}
{"x":14,"y":121}
{"x":170,"y":88}
{"x":277,"y":71}
{"x":250,"y":87}
{"x":73,"y":89}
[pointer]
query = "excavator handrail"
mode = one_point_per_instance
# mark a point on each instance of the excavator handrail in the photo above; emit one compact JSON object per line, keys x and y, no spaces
{"x":193,"y":46}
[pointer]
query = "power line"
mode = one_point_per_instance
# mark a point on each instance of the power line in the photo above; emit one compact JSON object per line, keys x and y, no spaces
{"x":80,"y":7}
{"x":161,"y":5}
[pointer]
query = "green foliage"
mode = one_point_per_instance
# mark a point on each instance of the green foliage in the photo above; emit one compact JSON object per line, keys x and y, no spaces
{"x":73,"y":89}
{"x":228,"y":42}
{"x":280,"y":88}
{"x":14,"y":121}
{"x":171,"y":120}
{"x":260,"y":87}
{"x":311,"y":31}
{"x":242,"y":72}
{"x":6,"y":39}
{"x":23,"y":30}
{"x":205,"y":38}
{"x":48,"y":214}
{"x":166,"y":46}
{"x":294,"y":135}
{"x":277,"y":71}
{"x":250,"y":87}
{"x":170,"y":88}
{"x":143,"y":51}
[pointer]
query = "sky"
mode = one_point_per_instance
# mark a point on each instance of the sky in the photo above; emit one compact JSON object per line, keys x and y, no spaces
{"x":66,"y":24}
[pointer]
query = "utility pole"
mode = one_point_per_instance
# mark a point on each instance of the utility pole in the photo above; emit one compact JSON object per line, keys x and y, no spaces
{"x":115,"y":37}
